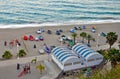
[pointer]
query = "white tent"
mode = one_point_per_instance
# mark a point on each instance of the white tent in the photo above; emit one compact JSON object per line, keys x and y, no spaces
{"x":91,"y":57}
{"x":80,"y":56}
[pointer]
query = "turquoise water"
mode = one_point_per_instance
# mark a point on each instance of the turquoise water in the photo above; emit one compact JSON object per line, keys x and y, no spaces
{"x":57,"y":11}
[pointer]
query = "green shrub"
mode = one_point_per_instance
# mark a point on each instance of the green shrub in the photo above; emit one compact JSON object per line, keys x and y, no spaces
{"x":7,"y":55}
{"x":21,"y":53}
{"x":111,"y":74}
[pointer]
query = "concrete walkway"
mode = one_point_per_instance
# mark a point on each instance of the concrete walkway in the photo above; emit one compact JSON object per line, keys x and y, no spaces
{"x":8,"y":68}
{"x":22,"y":60}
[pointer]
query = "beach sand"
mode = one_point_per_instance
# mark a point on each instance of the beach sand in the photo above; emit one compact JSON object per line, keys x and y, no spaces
{"x":49,"y":39}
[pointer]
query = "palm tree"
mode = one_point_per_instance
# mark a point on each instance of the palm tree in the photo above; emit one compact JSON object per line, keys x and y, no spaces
{"x":111,"y":38}
{"x":74,"y":35}
{"x":22,"y":53}
{"x":41,"y":68}
{"x":113,"y":56}
{"x":89,"y":37}
{"x":83,"y":34}
{"x":7,"y":55}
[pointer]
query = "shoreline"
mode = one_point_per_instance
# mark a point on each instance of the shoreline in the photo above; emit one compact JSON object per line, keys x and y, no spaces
{"x":50,"y":24}
{"x":100,"y":27}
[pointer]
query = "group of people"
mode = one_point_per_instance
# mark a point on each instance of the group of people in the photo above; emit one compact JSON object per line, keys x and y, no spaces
{"x":12,"y":43}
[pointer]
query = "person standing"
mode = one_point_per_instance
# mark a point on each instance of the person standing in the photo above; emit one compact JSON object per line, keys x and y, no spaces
{"x":5,"y":43}
{"x":18,"y":66}
{"x":34,"y":46}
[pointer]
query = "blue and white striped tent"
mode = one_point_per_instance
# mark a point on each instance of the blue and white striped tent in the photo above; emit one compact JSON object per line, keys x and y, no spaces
{"x":82,"y":50}
{"x":87,"y":53}
{"x":80,"y":56}
{"x":63,"y":54}
{"x":64,"y":58}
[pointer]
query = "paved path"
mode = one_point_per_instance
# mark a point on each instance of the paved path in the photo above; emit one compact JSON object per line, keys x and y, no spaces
{"x":8,"y":67}
{"x":22,"y":60}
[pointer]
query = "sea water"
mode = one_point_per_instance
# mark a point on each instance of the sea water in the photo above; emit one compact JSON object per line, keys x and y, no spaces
{"x":24,"y":13}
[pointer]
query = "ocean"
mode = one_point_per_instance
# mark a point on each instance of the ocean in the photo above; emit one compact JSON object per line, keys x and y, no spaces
{"x":23,"y":13}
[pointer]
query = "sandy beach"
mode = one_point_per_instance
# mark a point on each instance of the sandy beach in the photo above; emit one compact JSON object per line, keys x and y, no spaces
{"x":50,"y":39}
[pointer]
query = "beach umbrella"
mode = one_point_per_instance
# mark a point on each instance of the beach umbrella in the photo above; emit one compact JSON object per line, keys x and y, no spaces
{"x":41,"y":38}
{"x":64,"y":37}
{"x":69,"y":38}
{"x":72,"y":30}
{"x":31,"y":38}
{"x":25,"y":37}
{"x":84,"y":27}
{"x":57,"y":32}
{"x":71,"y":42}
{"x":75,"y":28}
{"x":36,"y":39}
{"x":39,"y":32}
{"x":94,"y":27}
{"x":42,"y":30}
{"x":93,"y":30}
{"x":103,"y":34}
{"x":60,"y":30}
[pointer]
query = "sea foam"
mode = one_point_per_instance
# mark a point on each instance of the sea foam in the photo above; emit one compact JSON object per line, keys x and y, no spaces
{"x":74,"y":23}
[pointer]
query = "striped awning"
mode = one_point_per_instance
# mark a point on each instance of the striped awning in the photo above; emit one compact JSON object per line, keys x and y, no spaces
{"x":83,"y":50}
{"x":63,"y":54}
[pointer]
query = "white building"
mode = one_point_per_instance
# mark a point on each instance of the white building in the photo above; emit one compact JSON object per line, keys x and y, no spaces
{"x":79,"y":57}
{"x":91,"y":57}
